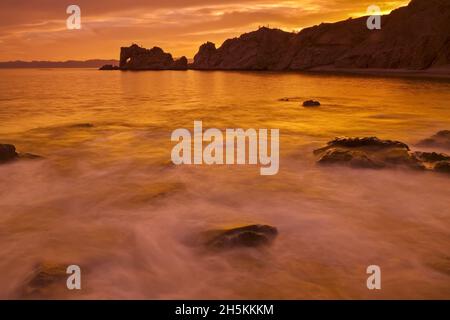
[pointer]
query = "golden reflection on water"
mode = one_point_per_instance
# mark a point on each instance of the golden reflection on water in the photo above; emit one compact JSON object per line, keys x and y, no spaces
{"x":107,"y":198}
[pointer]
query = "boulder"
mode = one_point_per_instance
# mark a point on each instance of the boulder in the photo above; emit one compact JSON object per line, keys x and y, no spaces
{"x":438,"y":140}
{"x":311,"y":103}
{"x":442,"y":166}
{"x":367,"y":152}
{"x":8,"y":153}
{"x":247,"y":236}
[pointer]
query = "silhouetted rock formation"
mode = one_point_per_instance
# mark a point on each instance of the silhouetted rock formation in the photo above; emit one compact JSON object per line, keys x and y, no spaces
{"x":138,"y":58}
{"x":415,"y":37}
{"x":371,"y":152}
{"x":109,"y":67}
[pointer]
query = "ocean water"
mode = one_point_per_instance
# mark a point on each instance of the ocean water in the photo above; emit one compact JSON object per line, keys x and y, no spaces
{"x":106,"y":197}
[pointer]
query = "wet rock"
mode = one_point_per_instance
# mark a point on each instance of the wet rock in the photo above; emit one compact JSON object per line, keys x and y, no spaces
{"x":248,"y":236}
{"x":367,"y":152}
{"x":43,"y":278}
{"x":355,"y":159}
{"x":439,"y":140}
{"x":431,"y":156}
{"x":442,"y":166}
{"x":311,"y":103}
{"x":81,"y":125}
{"x":109,"y":67}
{"x":8,"y":153}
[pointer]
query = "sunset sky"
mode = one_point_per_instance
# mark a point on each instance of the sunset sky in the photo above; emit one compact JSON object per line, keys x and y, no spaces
{"x":36,"y":29}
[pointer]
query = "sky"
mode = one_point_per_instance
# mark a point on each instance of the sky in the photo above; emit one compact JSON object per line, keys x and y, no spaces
{"x":36,"y":29}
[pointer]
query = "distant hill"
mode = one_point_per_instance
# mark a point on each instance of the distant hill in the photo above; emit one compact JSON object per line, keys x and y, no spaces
{"x":94,"y":63}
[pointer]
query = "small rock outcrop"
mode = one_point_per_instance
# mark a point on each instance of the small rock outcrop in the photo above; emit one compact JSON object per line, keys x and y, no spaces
{"x":109,"y":67}
{"x":311,"y":103}
{"x":138,"y":58}
{"x":248,"y":236}
{"x":374,"y":153}
{"x":368,"y":152}
{"x":8,"y":153}
{"x":439,"y":140}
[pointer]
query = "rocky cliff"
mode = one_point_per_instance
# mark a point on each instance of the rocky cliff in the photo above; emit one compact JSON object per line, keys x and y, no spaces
{"x":138,"y":58}
{"x":415,"y":37}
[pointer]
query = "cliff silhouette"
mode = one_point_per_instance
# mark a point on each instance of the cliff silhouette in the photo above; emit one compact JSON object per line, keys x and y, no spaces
{"x":415,"y":37}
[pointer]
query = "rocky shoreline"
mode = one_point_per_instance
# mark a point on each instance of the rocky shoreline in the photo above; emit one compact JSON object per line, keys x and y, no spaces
{"x":399,"y":48}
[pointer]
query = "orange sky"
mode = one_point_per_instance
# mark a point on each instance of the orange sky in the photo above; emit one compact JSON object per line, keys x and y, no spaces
{"x":36,"y":29}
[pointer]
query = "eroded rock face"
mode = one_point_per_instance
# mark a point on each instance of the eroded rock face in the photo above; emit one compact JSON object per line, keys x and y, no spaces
{"x":138,"y":58}
{"x":248,"y":236}
{"x":413,"y":37}
{"x":439,"y":140}
{"x":374,"y":153}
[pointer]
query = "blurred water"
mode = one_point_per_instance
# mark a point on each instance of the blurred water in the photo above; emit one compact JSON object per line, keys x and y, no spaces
{"x":106,"y":197}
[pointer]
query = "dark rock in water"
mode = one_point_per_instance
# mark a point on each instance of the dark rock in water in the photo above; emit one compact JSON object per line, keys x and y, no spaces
{"x":357,"y":159}
{"x":431,"y":156}
{"x":370,"y":142}
{"x":368,"y":152}
{"x":371,"y":152}
{"x":43,"y":277}
{"x":138,"y":58}
{"x":311,"y":103}
{"x":81,"y":125}
{"x":248,"y":236}
{"x":7,"y":153}
{"x":439,"y":140}
{"x":109,"y":67}
{"x":442,"y":166}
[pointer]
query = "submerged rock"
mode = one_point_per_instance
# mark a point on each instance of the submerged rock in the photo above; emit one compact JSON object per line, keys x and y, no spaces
{"x":442,"y":166}
{"x":8,"y":153}
{"x":311,"y":103}
{"x":439,"y":140}
{"x":43,"y":278}
{"x":248,"y":236}
{"x":367,"y":152}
